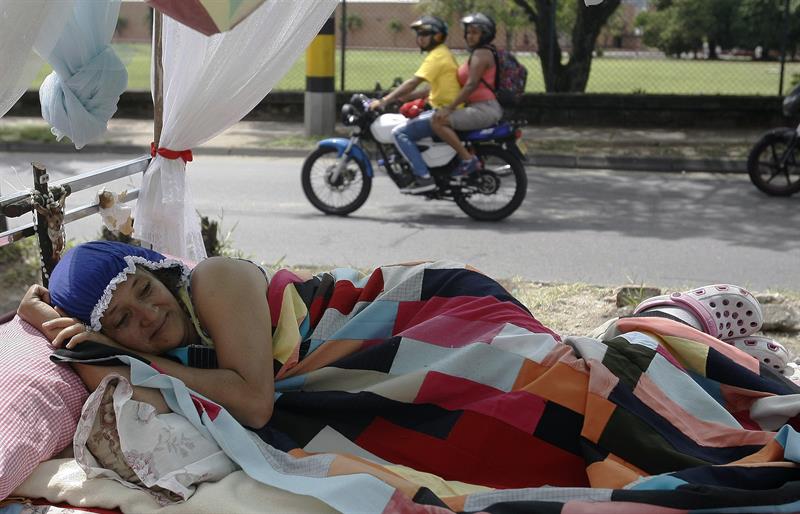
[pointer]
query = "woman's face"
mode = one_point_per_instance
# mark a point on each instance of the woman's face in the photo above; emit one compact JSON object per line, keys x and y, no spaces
{"x":143,"y":315}
{"x":472,"y":35}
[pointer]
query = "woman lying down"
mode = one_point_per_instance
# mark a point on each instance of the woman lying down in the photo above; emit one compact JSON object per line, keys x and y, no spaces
{"x":433,"y":369}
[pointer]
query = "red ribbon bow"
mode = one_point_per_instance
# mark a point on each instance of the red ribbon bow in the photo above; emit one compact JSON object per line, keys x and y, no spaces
{"x":166,"y":153}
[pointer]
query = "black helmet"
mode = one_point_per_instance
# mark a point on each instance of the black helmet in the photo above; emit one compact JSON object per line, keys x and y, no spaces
{"x":430,"y":24}
{"x":484,"y":22}
{"x":433,"y":25}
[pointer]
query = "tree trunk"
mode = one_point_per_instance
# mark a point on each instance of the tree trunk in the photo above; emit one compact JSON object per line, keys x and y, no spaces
{"x":712,"y":50}
{"x":573,"y":76}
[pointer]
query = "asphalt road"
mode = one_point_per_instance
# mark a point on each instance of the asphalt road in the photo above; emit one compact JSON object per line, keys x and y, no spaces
{"x":599,"y":227}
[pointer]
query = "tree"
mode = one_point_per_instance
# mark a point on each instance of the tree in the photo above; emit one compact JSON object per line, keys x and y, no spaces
{"x":352,"y":23}
{"x":122,"y":25}
{"x":678,"y":26}
{"x":504,"y":13}
{"x":723,"y":14}
{"x":764,"y":25}
{"x":547,"y":16}
{"x":573,"y":75}
{"x":395,"y":27}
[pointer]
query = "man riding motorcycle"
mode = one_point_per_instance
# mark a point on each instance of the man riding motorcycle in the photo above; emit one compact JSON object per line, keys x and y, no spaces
{"x":439,"y":71}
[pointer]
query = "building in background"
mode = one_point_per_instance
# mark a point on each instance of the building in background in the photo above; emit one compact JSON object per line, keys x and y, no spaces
{"x":384,"y":24}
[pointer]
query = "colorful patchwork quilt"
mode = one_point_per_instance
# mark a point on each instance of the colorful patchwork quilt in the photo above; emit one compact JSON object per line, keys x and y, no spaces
{"x":429,"y":388}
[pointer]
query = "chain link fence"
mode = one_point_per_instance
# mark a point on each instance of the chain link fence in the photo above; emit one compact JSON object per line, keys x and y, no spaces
{"x":375,"y":46}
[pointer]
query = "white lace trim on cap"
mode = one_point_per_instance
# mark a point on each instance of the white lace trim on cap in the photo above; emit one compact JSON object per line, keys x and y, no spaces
{"x":122,"y":276}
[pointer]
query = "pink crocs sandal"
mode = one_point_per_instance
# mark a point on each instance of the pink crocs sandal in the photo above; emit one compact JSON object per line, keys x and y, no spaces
{"x":723,"y":310}
{"x":770,"y":352}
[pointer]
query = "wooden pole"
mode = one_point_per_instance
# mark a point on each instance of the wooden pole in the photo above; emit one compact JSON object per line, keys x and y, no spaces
{"x":158,"y":79}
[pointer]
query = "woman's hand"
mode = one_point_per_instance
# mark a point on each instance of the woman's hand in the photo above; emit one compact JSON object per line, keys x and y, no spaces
{"x":35,"y":308}
{"x":73,"y":332}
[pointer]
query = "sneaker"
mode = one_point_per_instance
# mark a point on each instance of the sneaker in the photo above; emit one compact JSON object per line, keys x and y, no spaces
{"x":420,"y":185}
{"x":466,"y":167}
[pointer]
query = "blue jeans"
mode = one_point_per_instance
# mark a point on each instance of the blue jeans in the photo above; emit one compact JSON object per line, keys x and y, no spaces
{"x":406,"y":137}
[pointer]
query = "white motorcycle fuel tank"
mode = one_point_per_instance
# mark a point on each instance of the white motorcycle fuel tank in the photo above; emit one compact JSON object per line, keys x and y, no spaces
{"x":382,"y":127}
{"x":434,"y":154}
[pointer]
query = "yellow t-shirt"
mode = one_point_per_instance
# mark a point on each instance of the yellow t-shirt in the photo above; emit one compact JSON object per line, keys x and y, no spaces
{"x":439,"y":70}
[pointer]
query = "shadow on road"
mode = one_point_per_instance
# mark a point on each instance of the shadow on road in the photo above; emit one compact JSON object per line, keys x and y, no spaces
{"x":666,"y":206}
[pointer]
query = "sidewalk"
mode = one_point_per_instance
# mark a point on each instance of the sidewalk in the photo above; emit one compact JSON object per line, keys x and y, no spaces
{"x":567,"y":147}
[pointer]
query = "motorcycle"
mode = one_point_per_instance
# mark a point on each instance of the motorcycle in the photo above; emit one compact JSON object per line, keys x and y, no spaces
{"x":337,"y":176}
{"x":774,"y":161}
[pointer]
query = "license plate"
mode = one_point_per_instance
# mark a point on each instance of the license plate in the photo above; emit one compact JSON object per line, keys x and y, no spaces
{"x":522,"y":146}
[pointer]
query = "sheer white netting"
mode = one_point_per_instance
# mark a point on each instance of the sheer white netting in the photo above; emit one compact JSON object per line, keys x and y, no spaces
{"x":25,"y":26}
{"x":81,"y":94}
{"x":210,"y":83}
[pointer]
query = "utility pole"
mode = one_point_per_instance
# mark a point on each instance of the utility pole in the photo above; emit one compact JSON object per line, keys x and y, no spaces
{"x":320,"y":101}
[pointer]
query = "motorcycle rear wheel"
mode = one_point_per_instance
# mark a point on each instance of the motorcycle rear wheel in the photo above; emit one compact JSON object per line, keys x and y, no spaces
{"x":496,"y":191}
{"x":339,"y":197}
{"x":774,"y":163}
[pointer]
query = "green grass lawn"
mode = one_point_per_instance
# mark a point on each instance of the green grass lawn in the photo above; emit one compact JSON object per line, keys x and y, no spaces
{"x":609,"y":75}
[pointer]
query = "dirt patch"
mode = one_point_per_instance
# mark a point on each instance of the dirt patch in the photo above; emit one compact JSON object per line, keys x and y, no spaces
{"x":18,"y":269}
{"x":576,"y":309}
{"x":569,"y":309}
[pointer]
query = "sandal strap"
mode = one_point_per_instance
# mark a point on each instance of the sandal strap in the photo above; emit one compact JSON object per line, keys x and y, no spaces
{"x":684,"y":301}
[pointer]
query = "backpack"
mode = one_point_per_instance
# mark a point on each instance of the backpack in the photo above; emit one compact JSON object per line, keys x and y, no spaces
{"x":510,"y":78}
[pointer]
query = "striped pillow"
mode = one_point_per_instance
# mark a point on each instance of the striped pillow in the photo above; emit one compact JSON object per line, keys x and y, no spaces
{"x":40,"y":403}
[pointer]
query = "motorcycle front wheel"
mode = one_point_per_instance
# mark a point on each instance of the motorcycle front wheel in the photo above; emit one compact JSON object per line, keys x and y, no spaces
{"x":335,"y":195}
{"x":496,"y":191}
{"x":774,"y":163}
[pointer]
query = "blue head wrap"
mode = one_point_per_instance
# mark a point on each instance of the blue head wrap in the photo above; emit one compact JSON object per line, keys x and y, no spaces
{"x":84,"y":279}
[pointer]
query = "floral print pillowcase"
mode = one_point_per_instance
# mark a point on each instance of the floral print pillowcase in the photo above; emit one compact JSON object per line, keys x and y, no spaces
{"x":126,"y":440}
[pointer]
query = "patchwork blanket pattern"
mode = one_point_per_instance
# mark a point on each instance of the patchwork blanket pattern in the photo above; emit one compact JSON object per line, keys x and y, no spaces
{"x":436,"y":369}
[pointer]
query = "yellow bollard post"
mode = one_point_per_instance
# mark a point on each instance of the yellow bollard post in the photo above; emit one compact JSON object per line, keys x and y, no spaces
{"x":320,"y":99}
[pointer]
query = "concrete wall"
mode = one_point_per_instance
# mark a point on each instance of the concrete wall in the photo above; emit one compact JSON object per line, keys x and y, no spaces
{"x":760,"y":112}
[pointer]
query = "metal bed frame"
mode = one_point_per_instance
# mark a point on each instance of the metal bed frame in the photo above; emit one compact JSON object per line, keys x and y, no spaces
{"x":17,"y":204}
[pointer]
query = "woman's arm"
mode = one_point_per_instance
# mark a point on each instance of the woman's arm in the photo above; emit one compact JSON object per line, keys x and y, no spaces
{"x":92,"y":375}
{"x":56,"y":326}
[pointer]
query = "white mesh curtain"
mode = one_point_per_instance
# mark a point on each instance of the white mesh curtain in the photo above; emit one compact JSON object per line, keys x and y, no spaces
{"x":210,"y":83}
{"x":26,"y":26}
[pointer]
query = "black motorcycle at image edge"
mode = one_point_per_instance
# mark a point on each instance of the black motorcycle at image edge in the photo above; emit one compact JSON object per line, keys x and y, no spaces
{"x":774,"y":161}
{"x":337,"y":176}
